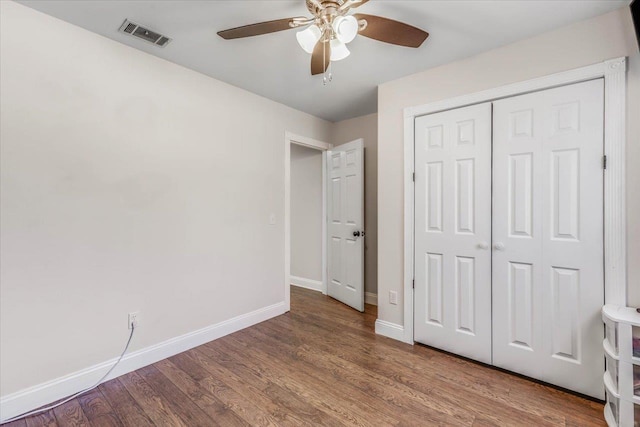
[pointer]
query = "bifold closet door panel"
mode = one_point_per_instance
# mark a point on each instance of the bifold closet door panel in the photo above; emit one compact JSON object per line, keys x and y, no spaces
{"x":548,"y":285}
{"x":453,"y":231}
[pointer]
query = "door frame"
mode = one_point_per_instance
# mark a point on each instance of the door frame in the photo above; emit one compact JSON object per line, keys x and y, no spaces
{"x":615,"y":249}
{"x":292,"y":138}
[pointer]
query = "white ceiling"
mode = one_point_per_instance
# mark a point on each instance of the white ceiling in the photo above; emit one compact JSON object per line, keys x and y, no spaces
{"x":275,"y":66}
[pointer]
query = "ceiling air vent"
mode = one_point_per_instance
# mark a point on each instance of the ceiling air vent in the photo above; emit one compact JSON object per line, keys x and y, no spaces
{"x":146,"y":34}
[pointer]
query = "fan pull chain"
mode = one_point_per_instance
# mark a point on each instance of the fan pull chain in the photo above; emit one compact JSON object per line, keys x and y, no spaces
{"x":324,"y":61}
{"x":330,"y":67}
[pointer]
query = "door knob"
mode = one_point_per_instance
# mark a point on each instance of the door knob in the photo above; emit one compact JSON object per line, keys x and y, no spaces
{"x":499,"y":246}
{"x":356,"y":233}
{"x":483,"y":245}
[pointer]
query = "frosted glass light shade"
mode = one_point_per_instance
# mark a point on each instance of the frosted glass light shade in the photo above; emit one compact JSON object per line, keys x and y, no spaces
{"x":345,"y":28}
{"x":338,"y":50}
{"x":308,"y":38}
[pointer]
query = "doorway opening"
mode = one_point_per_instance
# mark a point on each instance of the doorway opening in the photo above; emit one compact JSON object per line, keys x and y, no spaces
{"x":307,"y":218}
{"x":305,"y":160}
{"x":324,"y":219}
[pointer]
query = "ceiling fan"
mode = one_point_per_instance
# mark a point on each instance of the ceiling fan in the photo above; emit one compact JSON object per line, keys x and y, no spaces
{"x":331,"y":27}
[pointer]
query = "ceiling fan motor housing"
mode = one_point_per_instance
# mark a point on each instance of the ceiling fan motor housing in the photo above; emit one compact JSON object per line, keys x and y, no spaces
{"x":324,"y":12}
{"x":316,"y":7}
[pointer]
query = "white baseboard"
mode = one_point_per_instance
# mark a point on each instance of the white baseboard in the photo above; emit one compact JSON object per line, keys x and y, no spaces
{"x":316,"y":285}
{"x":370,"y":298}
{"x":390,"y":330}
{"x":301,"y":282}
{"x":50,"y":391}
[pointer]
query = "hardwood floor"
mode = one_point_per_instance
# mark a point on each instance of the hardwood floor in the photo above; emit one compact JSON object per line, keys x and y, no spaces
{"x":320,"y":364}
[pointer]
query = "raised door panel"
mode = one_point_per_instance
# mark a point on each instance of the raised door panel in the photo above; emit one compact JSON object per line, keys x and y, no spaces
{"x":465,"y":196}
{"x":335,"y":213}
{"x":565,"y":318}
{"x":520,"y":305}
{"x":433,"y":198}
{"x":465,"y":294}
{"x":565,"y":194}
{"x":435,"y":136}
{"x":352,"y":212}
{"x":520,"y":193}
{"x":433,"y":266}
{"x":335,"y":265}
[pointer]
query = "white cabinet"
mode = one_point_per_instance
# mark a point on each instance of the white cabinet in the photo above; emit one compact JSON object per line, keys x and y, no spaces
{"x":622,"y":375}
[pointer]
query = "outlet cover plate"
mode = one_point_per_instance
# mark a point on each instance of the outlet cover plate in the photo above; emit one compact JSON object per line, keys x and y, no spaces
{"x":134,"y":318}
{"x":393,"y":297}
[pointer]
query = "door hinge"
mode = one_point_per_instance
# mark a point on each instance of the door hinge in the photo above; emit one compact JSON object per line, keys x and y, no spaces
{"x":413,"y":283}
{"x":413,"y":177}
{"x":604,"y":162}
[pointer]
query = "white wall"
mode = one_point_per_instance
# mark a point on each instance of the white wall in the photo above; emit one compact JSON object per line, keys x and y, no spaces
{"x":584,"y":43}
{"x":366,"y":127}
{"x":127,"y":183}
{"x":306,"y":213}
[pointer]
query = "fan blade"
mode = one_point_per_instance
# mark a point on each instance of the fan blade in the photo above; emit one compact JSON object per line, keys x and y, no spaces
{"x":359,"y":3}
{"x":390,"y":31}
{"x":320,"y":57}
{"x":351,"y":4}
{"x":259,"y":28}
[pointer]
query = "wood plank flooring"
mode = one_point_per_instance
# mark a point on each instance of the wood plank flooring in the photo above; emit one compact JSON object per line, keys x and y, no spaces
{"x":320,"y":365}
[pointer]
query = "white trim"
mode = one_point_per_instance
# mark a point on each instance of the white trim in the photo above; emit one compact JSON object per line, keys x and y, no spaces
{"x":287,"y":221}
{"x":577,"y":75}
{"x":615,"y":250}
{"x":50,"y":391}
{"x":370,"y":298}
{"x":325,"y":219}
{"x":307,"y":142}
{"x":301,"y":282}
{"x":408,"y":229}
{"x":390,"y":330}
{"x":615,"y":231}
{"x":291,"y":138}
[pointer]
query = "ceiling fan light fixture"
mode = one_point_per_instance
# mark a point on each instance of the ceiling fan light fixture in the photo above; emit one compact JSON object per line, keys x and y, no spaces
{"x":308,"y":38}
{"x":338,"y":50}
{"x":331,"y":26}
{"x":345,"y":28}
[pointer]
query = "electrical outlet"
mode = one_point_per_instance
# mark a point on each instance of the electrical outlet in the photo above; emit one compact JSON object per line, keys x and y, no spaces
{"x":134,"y":319}
{"x":393,"y":297}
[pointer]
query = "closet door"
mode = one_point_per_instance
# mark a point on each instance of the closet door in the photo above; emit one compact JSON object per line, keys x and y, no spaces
{"x":548,"y":285}
{"x":453,"y":231}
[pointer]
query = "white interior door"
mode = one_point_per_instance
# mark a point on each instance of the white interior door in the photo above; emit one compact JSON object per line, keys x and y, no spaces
{"x":345,"y":207}
{"x":548,"y":285}
{"x":453,"y":231}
